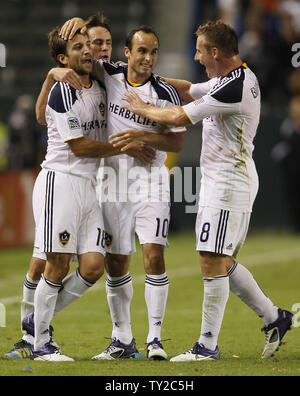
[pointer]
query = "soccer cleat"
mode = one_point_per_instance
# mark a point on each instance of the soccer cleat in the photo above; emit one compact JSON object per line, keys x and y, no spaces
{"x":21,"y":350}
{"x":197,"y":353}
{"x":275,"y":332}
{"x":50,"y":353}
{"x":155,"y":350}
{"x":117,"y":350}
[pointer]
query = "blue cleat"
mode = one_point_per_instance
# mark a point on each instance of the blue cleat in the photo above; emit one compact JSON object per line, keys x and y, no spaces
{"x":117,"y":350}
{"x":197,"y":353}
{"x":50,"y":353}
{"x":155,"y":350}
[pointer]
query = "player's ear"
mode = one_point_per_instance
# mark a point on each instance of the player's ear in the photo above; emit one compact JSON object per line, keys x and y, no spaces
{"x":62,"y":58}
{"x":127,"y":52}
{"x":215,"y":52}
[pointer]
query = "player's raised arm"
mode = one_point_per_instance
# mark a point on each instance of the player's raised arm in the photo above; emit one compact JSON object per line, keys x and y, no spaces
{"x":183,"y":88}
{"x":173,"y":115}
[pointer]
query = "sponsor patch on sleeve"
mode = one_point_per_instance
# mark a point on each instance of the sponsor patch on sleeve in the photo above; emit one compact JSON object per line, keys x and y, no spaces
{"x":74,"y":123}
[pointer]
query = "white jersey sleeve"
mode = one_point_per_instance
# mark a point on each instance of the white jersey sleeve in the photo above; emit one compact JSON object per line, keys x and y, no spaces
{"x":70,"y":115}
{"x":223,"y":99}
{"x":67,"y":120}
{"x":201,"y":89}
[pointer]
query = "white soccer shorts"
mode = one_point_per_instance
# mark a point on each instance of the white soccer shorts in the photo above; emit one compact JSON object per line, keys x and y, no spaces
{"x":67,"y":215}
{"x":221,"y":231}
{"x":122,"y":220}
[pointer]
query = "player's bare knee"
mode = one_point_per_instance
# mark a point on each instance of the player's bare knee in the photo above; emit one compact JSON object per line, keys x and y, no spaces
{"x":93,"y":272}
{"x":59,"y":264}
{"x":213,"y":264}
{"x":91,"y":266}
{"x":36,"y":268}
{"x":154,"y":262}
{"x":116,"y":264}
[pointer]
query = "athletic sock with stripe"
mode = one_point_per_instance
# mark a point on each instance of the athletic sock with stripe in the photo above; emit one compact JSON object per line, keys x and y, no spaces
{"x":243,"y":285}
{"x":216,"y":294}
{"x":156,"y":295}
{"x":27,"y":304}
{"x":44,"y":303}
{"x":119,"y":292}
{"x":73,"y":287}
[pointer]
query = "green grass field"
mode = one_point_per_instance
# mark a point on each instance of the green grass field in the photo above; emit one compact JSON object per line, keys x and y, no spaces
{"x":274,"y":260}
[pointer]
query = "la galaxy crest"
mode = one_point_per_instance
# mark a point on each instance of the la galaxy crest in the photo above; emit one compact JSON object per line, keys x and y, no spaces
{"x":102,"y":109}
{"x":64,"y":237}
{"x":108,"y":239}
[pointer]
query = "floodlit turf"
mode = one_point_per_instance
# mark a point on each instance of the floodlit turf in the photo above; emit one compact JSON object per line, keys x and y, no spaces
{"x":274,"y":260}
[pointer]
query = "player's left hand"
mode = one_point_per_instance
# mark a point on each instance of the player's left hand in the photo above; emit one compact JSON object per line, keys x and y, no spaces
{"x":123,"y":139}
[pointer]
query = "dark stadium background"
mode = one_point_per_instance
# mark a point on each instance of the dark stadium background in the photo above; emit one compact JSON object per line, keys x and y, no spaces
{"x":265,"y":44}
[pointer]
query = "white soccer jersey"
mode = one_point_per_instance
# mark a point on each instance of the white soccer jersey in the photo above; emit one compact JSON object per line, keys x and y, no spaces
{"x":154,"y":91}
{"x":71,"y":114}
{"x":230,"y":109}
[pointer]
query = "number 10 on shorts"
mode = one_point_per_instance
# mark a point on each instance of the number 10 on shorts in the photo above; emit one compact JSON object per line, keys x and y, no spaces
{"x":162,"y":227}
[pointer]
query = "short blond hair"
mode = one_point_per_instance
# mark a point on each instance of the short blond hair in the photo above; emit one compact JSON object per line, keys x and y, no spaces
{"x":220,"y":35}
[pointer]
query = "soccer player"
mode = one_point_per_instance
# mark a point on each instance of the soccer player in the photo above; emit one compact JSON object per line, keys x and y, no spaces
{"x":99,"y":31}
{"x":148,"y":219}
{"x":147,"y":214}
{"x":229,"y":105}
{"x":73,"y":119}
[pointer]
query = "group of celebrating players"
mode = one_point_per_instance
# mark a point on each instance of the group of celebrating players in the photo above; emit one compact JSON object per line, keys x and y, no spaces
{"x":101,"y":115}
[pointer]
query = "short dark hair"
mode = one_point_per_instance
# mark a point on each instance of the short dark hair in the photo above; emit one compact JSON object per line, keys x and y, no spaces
{"x":98,"y":20}
{"x":143,"y":28}
{"x":57,"y":45}
{"x":221,"y":36}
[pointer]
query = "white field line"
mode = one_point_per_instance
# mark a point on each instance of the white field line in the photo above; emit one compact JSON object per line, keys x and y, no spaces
{"x":252,"y":260}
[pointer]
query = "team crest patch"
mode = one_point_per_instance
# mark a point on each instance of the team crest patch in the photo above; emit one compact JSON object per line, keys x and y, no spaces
{"x":73,"y":123}
{"x":102,"y":109}
{"x":64,"y":237}
{"x":108,"y":239}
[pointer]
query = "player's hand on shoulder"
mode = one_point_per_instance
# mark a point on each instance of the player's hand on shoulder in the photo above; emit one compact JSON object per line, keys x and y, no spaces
{"x":70,"y":27}
{"x":66,"y":75}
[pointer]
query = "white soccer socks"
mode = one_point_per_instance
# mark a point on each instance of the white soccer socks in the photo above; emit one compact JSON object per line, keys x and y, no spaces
{"x":44,"y":302}
{"x":29,"y":288}
{"x":73,"y":287}
{"x":156,"y":295}
{"x":119,"y":292}
{"x":27,"y":304}
{"x":243,"y":285}
{"x":216,"y":294}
